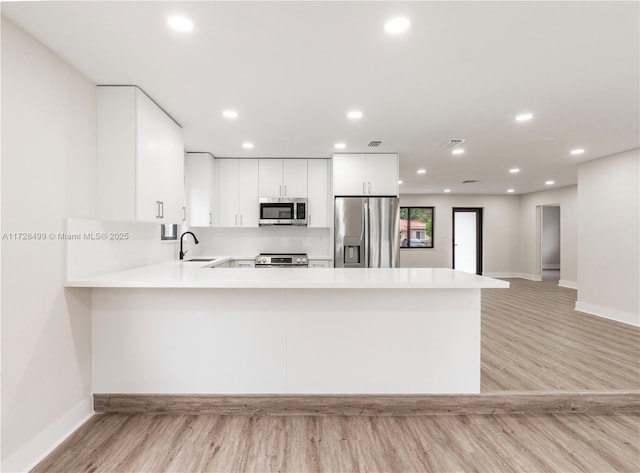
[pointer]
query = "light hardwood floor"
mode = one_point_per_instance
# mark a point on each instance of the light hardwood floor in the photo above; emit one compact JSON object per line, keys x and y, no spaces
{"x":484,"y":443}
{"x":534,"y":340}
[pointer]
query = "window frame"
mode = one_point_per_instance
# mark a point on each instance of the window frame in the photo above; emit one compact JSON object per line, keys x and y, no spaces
{"x":408,"y":236}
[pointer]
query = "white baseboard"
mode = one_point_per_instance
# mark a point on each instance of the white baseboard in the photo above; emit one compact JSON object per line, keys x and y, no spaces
{"x":608,"y":313}
{"x":501,"y":275}
{"x":42,"y":444}
{"x":531,"y":277}
{"x":567,"y":283}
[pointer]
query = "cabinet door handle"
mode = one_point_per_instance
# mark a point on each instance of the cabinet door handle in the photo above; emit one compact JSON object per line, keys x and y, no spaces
{"x":285,"y":190}
{"x":184,"y":214}
{"x":280,"y":190}
{"x":158,"y":209}
{"x":210,"y":218}
{"x":364,"y":190}
{"x":161,"y":209}
{"x":369,"y":188}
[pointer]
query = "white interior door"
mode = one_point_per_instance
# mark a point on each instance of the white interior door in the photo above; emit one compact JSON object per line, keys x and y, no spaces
{"x":465,"y":245}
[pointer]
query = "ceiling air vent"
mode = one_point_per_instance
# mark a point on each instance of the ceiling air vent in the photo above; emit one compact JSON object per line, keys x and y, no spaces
{"x":374,"y":143}
{"x":452,"y":143}
{"x":469,"y":181}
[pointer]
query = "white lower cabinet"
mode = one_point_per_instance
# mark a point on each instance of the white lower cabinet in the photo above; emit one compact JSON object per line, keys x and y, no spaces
{"x":238,"y":192}
{"x":325,"y":263}
{"x":243,"y":263}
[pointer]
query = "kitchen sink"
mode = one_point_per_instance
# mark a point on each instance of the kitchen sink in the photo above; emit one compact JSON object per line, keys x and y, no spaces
{"x":195,"y":260}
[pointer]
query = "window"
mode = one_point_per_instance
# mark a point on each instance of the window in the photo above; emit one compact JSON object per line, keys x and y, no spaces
{"x":416,"y":227}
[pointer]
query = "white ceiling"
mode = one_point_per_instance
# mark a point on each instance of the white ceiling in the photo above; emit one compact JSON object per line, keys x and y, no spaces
{"x":293,"y":70}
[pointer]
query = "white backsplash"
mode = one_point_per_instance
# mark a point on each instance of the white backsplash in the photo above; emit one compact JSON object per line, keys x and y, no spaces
{"x":248,"y":242}
{"x":90,"y":255}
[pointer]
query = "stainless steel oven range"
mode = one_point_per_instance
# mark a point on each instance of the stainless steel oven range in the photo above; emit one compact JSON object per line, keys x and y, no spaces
{"x":282,"y":260}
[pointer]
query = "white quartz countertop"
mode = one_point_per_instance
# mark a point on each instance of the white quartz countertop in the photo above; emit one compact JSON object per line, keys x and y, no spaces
{"x":200,"y":275}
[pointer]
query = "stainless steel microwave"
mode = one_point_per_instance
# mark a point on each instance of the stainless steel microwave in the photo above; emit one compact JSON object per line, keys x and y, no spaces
{"x":282,"y":211}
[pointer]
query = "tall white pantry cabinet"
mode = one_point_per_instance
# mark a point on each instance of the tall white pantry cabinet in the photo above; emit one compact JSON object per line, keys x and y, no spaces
{"x":140,"y":159}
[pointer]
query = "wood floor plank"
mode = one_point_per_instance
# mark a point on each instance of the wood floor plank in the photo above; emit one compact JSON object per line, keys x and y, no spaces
{"x":534,"y":340}
{"x":480,"y":443}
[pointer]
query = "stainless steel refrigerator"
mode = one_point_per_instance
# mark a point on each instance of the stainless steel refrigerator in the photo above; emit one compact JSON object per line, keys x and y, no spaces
{"x":366,"y":232}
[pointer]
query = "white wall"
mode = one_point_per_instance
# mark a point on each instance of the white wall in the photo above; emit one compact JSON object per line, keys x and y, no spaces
{"x":609,"y":241}
{"x":500,"y":227}
{"x":550,"y":237}
{"x":48,"y":173}
{"x":567,"y":199}
{"x":133,"y":244}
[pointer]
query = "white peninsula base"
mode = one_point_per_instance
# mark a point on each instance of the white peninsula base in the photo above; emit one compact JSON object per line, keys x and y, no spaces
{"x":284,"y":340}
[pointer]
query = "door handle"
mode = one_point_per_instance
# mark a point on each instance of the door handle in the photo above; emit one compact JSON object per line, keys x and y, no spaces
{"x":280,"y":190}
{"x":210,"y":218}
{"x":184,"y":214}
{"x":285,"y":190}
{"x":161,"y":209}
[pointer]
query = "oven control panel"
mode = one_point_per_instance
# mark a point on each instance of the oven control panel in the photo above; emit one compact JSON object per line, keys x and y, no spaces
{"x":280,"y":260}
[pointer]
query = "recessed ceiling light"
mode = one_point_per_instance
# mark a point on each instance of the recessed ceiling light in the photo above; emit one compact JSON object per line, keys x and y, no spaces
{"x":230,"y":114}
{"x":524,"y":117}
{"x":354,"y":114}
{"x":514,"y":170}
{"x":421,"y":171}
{"x":340,"y":146}
{"x":447,"y":190}
{"x":457,"y":151}
{"x":247,"y":145}
{"x":577,"y":151}
{"x":511,"y":191}
{"x":550,"y":183}
{"x":180,"y":23}
{"x":400,"y":182}
{"x":396,"y":25}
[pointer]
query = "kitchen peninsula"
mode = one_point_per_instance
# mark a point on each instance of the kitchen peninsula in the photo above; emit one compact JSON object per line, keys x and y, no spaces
{"x":189,"y":328}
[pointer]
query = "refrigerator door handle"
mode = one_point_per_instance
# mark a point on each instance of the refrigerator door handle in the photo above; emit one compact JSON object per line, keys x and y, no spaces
{"x":367,"y":234}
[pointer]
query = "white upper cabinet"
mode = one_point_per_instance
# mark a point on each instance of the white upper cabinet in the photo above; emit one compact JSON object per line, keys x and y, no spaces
{"x":349,"y":174}
{"x":382,"y":174}
{"x":365,"y":174}
{"x":318,"y":191}
{"x":283,"y":178}
{"x":201,"y":195}
{"x":238,"y":192}
{"x":140,"y":159}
